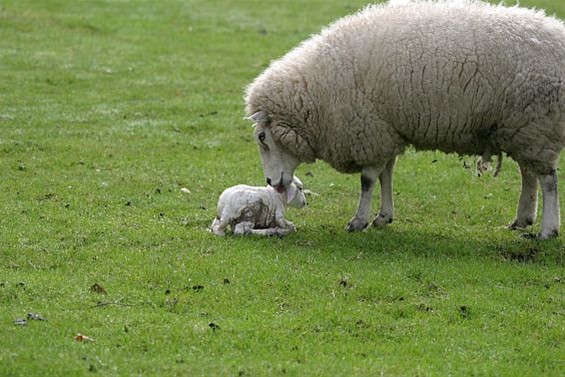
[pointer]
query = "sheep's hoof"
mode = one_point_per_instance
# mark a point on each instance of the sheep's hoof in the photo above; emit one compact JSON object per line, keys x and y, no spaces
{"x":291,"y":228}
{"x":382,"y":220}
{"x":540,"y":236}
{"x":356,"y":225}
{"x":520,"y":224}
{"x":216,"y":231}
{"x":281,"y":233}
{"x":548,"y":235}
{"x":530,"y":236}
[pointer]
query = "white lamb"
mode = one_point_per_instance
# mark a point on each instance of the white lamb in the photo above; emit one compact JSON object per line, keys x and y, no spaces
{"x":257,"y":210}
{"x":459,"y":76}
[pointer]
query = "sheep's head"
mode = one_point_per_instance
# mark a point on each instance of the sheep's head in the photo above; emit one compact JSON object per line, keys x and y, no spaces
{"x":281,"y":148}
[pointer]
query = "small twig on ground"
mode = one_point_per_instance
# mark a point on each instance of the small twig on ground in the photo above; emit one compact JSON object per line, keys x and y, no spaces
{"x":108,"y":303}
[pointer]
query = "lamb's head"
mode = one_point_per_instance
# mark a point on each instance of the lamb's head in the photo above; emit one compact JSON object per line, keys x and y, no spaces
{"x":281,"y":149}
{"x":295,"y":194}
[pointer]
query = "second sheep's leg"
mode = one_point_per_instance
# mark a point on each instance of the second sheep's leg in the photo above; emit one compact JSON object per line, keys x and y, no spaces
{"x":283,"y":223}
{"x":550,"y":221}
{"x":386,"y":214}
{"x":369,"y":176}
{"x":243,"y":228}
{"x":270,"y":232}
{"x":528,"y":202}
{"x":279,"y":232}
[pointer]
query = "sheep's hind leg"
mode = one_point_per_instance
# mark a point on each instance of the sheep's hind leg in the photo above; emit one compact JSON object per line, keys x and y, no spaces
{"x":218,"y":227}
{"x":550,"y":221}
{"x":243,"y":228}
{"x":280,"y":232}
{"x":528,"y":202}
{"x":368,"y":178}
{"x":386,"y":213}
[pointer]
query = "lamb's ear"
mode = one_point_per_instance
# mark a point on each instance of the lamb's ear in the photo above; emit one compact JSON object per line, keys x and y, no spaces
{"x":291,"y":193}
{"x":259,"y":117}
{"x":297,"y":182}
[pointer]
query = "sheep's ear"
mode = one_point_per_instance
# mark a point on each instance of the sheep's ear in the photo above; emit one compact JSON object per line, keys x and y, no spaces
{"x":259,"y":117}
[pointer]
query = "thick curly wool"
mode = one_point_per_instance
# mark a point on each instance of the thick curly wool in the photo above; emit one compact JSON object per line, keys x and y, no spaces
{"x":465,"y":77}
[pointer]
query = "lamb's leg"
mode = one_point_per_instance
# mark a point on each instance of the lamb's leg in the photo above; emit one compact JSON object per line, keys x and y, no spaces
{"x":369,"y":176}
{"x":243,"y":228}
{"x":386,"y":213}
{"x":218,"y":227}
{"x":550,"y":221}
{"x":272,"y":232}
{"x":281,"y":222}
{"x":527,"y":205}
{"x":287,"y":225}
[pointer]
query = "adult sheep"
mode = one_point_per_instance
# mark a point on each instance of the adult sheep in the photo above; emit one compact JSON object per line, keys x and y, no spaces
{"x":465,"y":77}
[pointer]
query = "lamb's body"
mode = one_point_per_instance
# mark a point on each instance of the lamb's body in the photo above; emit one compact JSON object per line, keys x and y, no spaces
{"x":470,"y":78}
{"x":256,"y":210}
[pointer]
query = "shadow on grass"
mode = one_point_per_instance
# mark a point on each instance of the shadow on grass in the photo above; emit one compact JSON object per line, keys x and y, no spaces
{"x":403,"y":242}
{"x":419,"y":243}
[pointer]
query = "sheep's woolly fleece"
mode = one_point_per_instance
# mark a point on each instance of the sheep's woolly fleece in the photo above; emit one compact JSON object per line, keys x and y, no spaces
{"x":459,"y":76}
{"x":407,"y":73}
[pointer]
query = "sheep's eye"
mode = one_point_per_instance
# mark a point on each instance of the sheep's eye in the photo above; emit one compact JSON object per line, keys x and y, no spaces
{"x":261,"y":138}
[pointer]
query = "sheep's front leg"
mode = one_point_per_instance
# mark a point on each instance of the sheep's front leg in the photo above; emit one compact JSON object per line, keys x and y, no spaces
{"x":368,"y":178}
{"x":528,"y":202}
{"x":550,"y":221}
{"x":386,"y":213}
{"x":283,"y":223}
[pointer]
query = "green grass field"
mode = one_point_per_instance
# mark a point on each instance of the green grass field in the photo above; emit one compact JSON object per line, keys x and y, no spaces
{"x":109,"y":108}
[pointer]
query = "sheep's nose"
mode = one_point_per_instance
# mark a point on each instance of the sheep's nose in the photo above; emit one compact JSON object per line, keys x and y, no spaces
{"x":269,"y":181}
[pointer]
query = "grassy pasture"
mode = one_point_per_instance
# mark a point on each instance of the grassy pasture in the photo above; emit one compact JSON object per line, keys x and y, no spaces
{"x":109,"y":108}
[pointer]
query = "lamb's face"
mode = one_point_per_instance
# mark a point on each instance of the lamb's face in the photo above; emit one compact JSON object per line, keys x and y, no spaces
{"x":278,"y":164}
{"x":296,"y":197}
